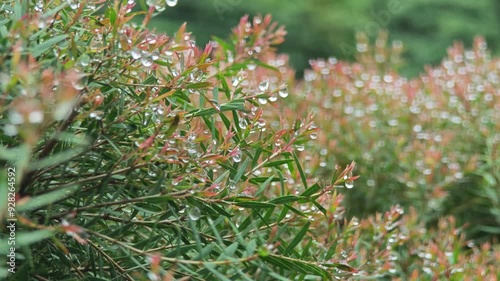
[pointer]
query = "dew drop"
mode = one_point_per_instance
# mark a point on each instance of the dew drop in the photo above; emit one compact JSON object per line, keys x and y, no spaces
{"x":349,"y":184}
{"x":243,"y":124}
{"x":96,"y":115}
{"x":135,"y":53}
{"x":146,"y":61}
{"x":264,"y":85}
{"x":191,"y":137}
{"x":85,"y":60}
{"x":283,"y":93}
{"x":236,"y":155}
{"x":262,"y":100}
{"x":155,"y":55}
{"x":73,"y":4}
{"x":194,"y":213}
{"x":300,"y":147}
{"x":171,"y":3}
{"x":39,"y":6}
{"x":236,"y":81}
{"x":151,"y":38}
{"x":261,"y":123}
{"x":273,"y":98}
{"x":231,"y":184}
{"x":313,"y":136}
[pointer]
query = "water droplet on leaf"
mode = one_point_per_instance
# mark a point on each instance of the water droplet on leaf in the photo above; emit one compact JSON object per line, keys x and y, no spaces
{"x":243,"y":124}
{"x":264,"y":85}
{"x":171,"y":3}
{"x":262,"y":100}
{"x":194,"y":213}
{"x":236,"y":155}
{"x":146,"y":61}
{"x":349,"y":184}
{"x":231,"y":184}
{"x":135,"y":53}
{"x":283,"y":93}
{"x":300,"y":147}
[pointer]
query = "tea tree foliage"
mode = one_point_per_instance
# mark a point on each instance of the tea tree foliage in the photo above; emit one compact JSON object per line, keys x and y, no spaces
{"x":140,"y":156}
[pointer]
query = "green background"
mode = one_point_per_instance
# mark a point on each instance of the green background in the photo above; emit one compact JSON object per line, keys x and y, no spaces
{"x":322,"y":28}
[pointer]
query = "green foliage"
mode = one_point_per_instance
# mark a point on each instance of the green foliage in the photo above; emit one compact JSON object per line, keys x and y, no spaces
{"x":139,"y":156}
{"x":430,"y":142}
{"x":325,"y":28}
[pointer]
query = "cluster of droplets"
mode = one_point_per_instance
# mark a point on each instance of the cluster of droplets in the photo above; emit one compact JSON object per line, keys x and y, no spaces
{"x":191,"y":146}
{"x":16,"y":119}
{"x":146,"y":58}
{"x":161,"y":5}
{"x":73,"y":4}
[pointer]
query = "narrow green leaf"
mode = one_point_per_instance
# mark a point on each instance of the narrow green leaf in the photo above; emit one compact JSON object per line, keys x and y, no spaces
{"x":220,"y":276}
{"x":46,"y":199}
{"x":286,"y":199}
{"x":301,"y":171}
{"x":241,"y":170}
{"x":311,"y":190}
{"x":252,"y":205}
{"x":341,"y":266}
{"x":278,"y":163}
{"x":231,"y":249}
{"x":111,"y":15}
{"x":39,"y":49}
{"x":198,"y":85}
{"x":298,"y":238}
{"x":56,"y":159}
{"x":263,"y":186}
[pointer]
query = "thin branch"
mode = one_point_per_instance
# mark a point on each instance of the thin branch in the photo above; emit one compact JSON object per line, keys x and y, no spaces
{"x":175,"y":260}
{"x":121,"y":269}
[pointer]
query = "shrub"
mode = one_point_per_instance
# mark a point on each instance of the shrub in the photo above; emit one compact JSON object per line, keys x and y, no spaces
{"x":430,"y":142}
{"x":139,"y":156}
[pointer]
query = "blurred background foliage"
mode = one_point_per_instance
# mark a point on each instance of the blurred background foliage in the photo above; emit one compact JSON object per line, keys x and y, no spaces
{"x":322,"y":28}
